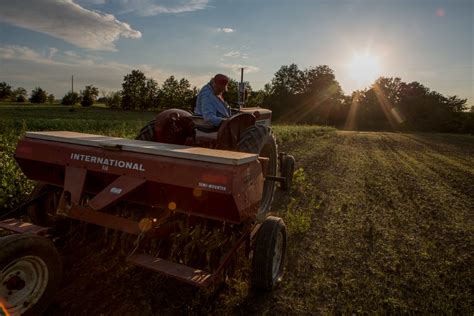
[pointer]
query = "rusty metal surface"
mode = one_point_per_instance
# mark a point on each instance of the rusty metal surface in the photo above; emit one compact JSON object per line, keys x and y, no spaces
{"x":103,"y":219}
{"x":18,"y":226}
{"x":181,"y":272}
{"x":115,"y":191}
{"x":74,"y":182}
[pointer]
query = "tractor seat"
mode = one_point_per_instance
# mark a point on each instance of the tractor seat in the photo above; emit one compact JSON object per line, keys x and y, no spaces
{"x":205,"y":132}
{"x":203,"y":126}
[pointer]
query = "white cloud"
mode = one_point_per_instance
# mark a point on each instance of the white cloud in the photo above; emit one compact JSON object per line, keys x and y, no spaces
{"x":71,"y":53}
{"x":95,"y":2}
{"x":236,"y":54}
{"x":68,"y":21}
{"x":225,"y":30}
{"x":236,"y":68}
{"x":18,"y":52}
{"x":232,"y":54}
{"x":24,"y":67}
{"x":154,"y":7}
{"x":52,"y":52}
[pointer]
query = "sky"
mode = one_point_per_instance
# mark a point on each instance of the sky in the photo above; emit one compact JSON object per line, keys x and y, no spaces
{"x":44,"y":42}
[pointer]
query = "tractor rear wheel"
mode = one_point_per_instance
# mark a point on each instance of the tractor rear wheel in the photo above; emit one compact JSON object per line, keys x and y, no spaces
{"x":43,"y":212}
{"x":147,"y":132}
{"x":269,"y":253}
{"x":30,"y":273}
{"x":258,"y":139}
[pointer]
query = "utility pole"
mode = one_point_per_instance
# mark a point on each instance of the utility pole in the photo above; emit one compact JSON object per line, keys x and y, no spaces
{"x":241,"y":89}
{"x":73,"y":99}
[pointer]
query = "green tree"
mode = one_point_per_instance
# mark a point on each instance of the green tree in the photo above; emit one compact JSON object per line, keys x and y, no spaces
{"x":321,"y":100}
{"x":19,"y":95}
{"x":370,"y":115}
{"x":232,"y":94}
{"x":51,"y":98}
{"x":185,"y":95}
{"x":393,"y":104}
{"x":71,"y":98}
{"x":150,"y":98}
{"x":5,"y":91}
{"x":256,"y":98}
{"x":455,"y":104}
{"x":288,"y":80}
{"x":380,"y":105}
{"x":282,"y":92}
{"x":114,"y":99}
{"x":133,"y":90}
{"x":168,"y":92}
{"x":177,"y":94}
{"x":89,"y":95}
{"x":38,"y":95}
{"x":312,"y":96}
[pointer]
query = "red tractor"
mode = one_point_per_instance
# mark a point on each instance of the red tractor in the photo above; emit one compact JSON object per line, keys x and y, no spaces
{"x":184,"y":196}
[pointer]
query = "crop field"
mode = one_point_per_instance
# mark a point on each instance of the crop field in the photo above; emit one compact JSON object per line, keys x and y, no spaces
{"x":378,"y":223}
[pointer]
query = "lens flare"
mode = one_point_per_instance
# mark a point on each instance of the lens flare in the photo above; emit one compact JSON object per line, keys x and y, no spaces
{"x":172,"y":206}
{"x":197,"y":192}
{"x":3,"y":310}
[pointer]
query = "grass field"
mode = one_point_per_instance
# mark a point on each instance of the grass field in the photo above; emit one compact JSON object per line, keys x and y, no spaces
{"x":379,"y":222}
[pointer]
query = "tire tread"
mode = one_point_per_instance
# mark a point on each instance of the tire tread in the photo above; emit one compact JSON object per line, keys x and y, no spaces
{"x":262,"y":258}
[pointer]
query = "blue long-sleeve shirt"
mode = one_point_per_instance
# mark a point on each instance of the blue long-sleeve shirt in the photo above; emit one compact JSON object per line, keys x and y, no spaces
{"x":210,"y":107}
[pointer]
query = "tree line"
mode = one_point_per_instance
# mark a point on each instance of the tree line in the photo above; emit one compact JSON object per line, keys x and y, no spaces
{"x":295,"y":96}
{"x":86,"y":97}
{"x":38,"y":95}
{"x":314,"y":96}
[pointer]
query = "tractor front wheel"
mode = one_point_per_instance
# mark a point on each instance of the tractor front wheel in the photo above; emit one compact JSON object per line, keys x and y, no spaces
{"x":30,"y":273}
{"x":269,"y":253}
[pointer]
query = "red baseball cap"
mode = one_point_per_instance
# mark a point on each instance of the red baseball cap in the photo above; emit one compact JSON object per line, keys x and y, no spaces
{"x":221,"y":79}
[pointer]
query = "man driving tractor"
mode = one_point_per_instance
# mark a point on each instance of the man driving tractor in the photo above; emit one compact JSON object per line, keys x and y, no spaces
{"x":210,"y":102}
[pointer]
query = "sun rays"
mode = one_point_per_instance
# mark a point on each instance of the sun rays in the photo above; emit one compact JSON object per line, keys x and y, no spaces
{"x":363,"y":69}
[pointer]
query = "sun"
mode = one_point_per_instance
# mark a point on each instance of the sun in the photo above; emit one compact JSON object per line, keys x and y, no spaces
{"x":364,"y":69}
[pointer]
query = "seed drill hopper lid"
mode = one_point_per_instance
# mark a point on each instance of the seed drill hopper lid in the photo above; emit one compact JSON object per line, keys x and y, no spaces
{"x":145,"y":147}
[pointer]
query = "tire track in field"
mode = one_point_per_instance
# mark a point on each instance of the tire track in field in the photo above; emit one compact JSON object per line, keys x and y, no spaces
{"x":386,"y":218}
{"x":446,"y":185}
{"x":429,"y":229}
{"x":459,"y":157}
{"x":455,"y":172}
{"x":459,"y":148}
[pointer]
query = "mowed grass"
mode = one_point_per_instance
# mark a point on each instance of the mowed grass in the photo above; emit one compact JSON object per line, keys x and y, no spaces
{"x":378,"y":222}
